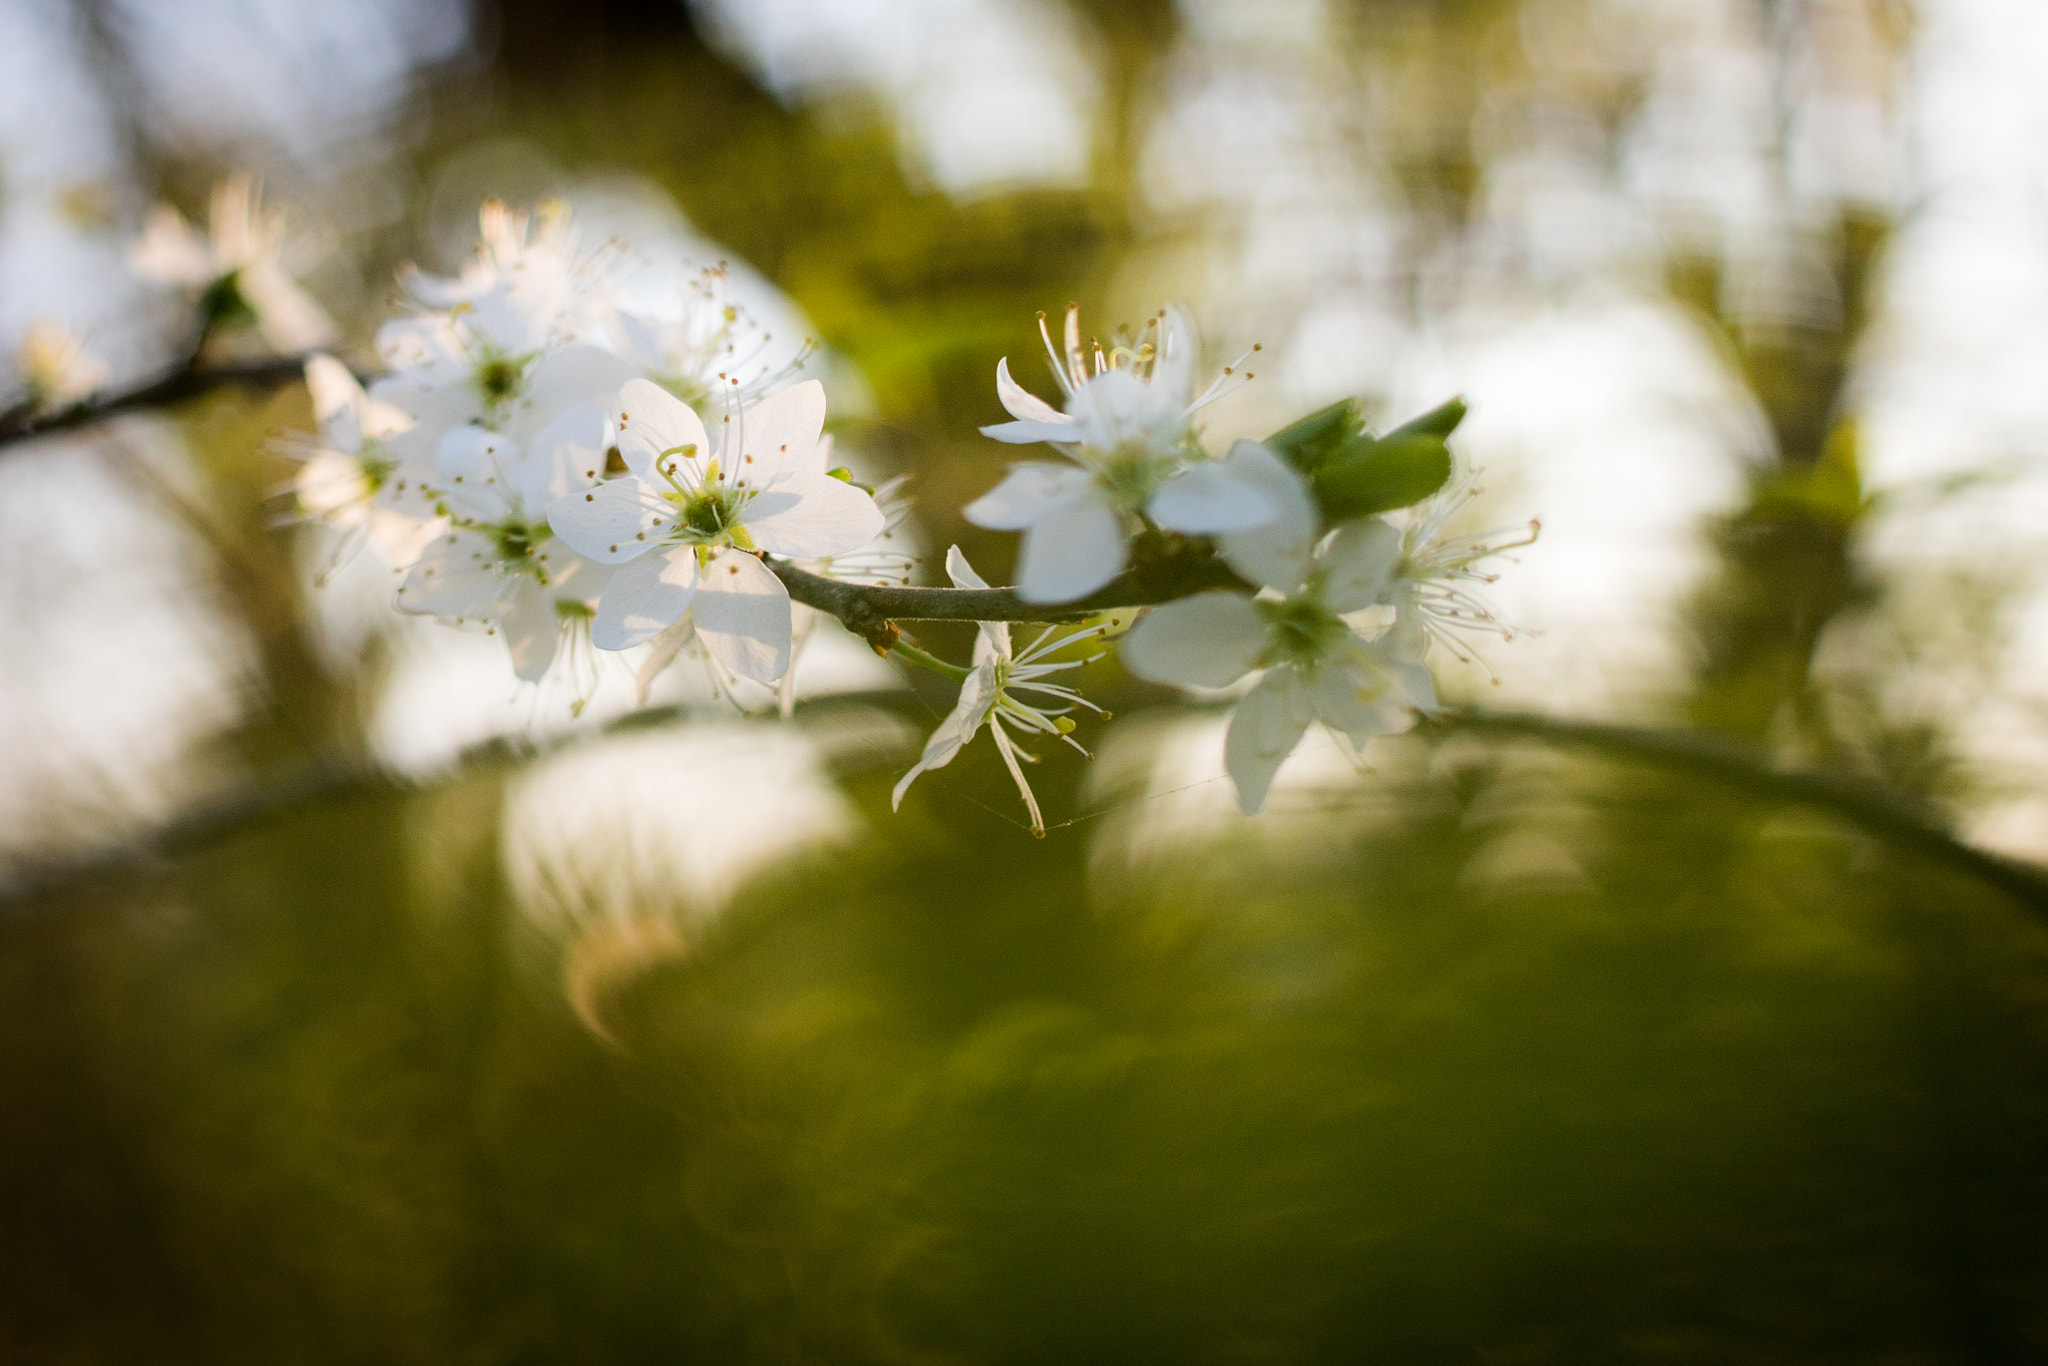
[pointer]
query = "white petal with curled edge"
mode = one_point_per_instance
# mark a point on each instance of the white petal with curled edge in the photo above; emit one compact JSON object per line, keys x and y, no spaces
{"x":810,"y":515}
{"x":1031,"y":433}
{"x":1031,"y":490}
{"x":1359,"y":701}
{"x":1277,"y":553}
{"x":954,"y":732}
{"x":456,"y":577}
{"x":645,"y":597}
{"x":960,"y":572}
{"x":742,"y":615}
{"x":1358,"y":564}
{"x":1209,"y":640}
{"x":780,"y":432}
{"x":563,"y":458}
{"x":617,"y":521}
{"x":1020,"y":402}
{"x":1208,"y":497}
{"x":1071,"y":553}
{"x":649,"y":421}
{"x":995,"y":635}
{"x":530,"y":630}
{"x":1266,"y":727}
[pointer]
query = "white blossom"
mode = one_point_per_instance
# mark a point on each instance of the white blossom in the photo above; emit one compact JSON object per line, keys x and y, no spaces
{"x":1127,"y":429}
{"x":498,"y":561}
{"x":1006,"y":686}
{"x":1303,"y":633}
{"x":55,"y":368}
{"x":1440,"y":581}
{"x":234,"y":270}
{"x":706,"y":348}
{"x":353,"y":479}
{"x":685,"y":524}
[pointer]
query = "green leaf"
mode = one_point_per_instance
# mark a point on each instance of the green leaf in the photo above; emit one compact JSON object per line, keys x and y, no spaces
{"x":1394,"y":471}
{"x":1311,"y":441}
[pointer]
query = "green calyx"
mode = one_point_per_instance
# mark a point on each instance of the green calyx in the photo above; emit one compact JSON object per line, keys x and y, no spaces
{"x":223,"y":305}
{"x":500,"y":377}
{"x":1299,"y":630}
{"x":1132,"y":474}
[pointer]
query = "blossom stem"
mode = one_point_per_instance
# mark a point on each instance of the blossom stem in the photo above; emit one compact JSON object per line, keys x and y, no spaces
{"x":932,"y":662}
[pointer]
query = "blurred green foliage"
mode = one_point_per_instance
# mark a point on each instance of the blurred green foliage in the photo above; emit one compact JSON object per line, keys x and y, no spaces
{"x":1506,"y":1056}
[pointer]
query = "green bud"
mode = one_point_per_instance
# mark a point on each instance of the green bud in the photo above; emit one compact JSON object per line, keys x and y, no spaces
{"x":1378,"y":475}
{"x":1310,"y":442}
{"x":1438,"y":422}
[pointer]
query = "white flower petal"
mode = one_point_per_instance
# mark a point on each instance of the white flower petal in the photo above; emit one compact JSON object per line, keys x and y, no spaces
{"x":1031,"y":433}
{"x":1021,"y":403}
{"x":1275,"y":555}
{"x":337,"y":402}
{"x":574,"y":376}
{"x":1071,"y":553}
{"x":1209,"y":640}
{"x":1266,"y":727}
{"x":530,"y":630}
{"x":617,"y":521}
{"x":473,"y":454}
{"x":1359,"y":564}
{"x":644,"y":597}
{"x":960,"y":572}
{"x":780,"y":433}
{"x":287,"y":315}
{"x":172,"y":251}
{"x":1173,"y":373}
{"x":1207,"y":497}
{"x":562,"y":459}
{"x":742,"y":615}
{"x":650,"y":420}
{"x":952,"y":734}
{"x":1116,"y":408}
{"x":1032,"y":490}
{"x":994,"y":641}
{"x":456,"y":577}
{"x":662,"y":652}
{"x":1359,"y":701}
{"x":810,"y":515}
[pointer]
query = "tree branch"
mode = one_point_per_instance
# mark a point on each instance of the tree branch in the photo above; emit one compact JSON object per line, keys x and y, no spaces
{"x":22,"y":423}
{"x":1881,"y":810}
{"x":1871,"y":806}
{"x":868,"y":610}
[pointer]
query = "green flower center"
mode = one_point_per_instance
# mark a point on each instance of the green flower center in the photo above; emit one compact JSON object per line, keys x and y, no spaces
{"x":518,"y":545}
{"x":1299,"y":630}
{"x":1132,"y":474}
{"x":500,"y":378}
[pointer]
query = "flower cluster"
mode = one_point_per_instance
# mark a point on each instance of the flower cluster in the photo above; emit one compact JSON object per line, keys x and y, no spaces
{"x":578,"y":476}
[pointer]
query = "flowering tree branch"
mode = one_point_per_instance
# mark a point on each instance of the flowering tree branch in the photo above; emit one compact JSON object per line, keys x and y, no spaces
{"x":188,"y":381}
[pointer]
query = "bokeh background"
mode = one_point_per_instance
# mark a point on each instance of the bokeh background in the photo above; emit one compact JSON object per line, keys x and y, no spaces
{"x":535,"y":1039}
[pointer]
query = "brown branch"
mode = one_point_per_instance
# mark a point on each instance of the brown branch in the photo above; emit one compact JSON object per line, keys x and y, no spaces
{"x":23,"y":422}
{"x":868,"y":610}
